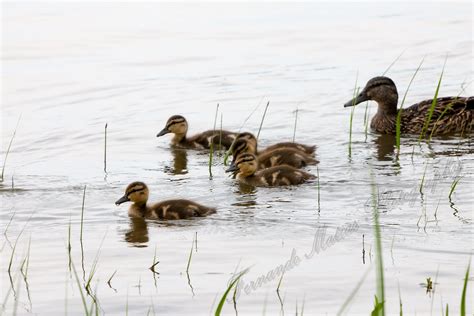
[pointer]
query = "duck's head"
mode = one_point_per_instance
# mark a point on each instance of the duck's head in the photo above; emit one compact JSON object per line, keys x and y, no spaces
{"x":379,"y":89}
{"x":246,"y":164}
{"x":136,"y":192}
{"x":176,"y":124}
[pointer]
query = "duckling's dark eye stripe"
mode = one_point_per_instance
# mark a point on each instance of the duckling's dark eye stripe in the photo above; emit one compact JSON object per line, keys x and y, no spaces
{"x":174,"y":122}
{"x":245,"y":159}
{"x":135,"y":190}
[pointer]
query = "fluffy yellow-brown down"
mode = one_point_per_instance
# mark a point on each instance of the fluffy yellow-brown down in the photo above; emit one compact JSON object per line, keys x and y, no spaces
{"x":276,"y":156}
{"x":137,"y":192}
{"x":246,"y":166}
{"x":178,"y":126}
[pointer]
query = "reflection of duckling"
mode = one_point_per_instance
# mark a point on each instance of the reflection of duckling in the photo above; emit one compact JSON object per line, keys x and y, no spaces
{"x":252,"y":141}
{"x":137,"y":192}
{"x":138,"y":232}
{"x":178,"y":125}
{"x":450,"y":115}
{"x":246,"y":169}
{"x":276,"y":157}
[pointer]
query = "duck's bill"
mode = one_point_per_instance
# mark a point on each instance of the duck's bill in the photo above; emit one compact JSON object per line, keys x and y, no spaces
{"x":232,"y":168}
{"x":355,"y":101}
{"x":123,"y":199}
{"x":164,"y":131}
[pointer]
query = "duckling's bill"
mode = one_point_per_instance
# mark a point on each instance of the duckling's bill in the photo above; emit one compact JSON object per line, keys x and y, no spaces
{"x":232,"y":168}
{"x":123,"y":199}
{"x":164,"y":131}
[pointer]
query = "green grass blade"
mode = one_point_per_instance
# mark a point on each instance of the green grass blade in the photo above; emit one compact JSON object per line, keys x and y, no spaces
{"x":222,"y":301}
{"x":464,"y":290}
{"x":229,"y":151}
{"x":263,"y":118}
{"x":399,"y":114}
{"x":8,"y":149}
{"x":83,"y":297}
{"x":211,"y":151}
{"x":433,"y":105}
{"x":296,"y":121}
{"x":353,"y":292}
{"x":380,"y":303}
{"x":453,"y":187}
{"x":393,"y":63}
{"x":356,"y":92}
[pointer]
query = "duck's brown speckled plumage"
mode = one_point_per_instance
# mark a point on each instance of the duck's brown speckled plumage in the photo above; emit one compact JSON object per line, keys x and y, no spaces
{"x":276,"y":156}
{"x":137,"y":192}
{"x":178,"y":125}
{"x":451,"y":115}
{"x":246,"y":169}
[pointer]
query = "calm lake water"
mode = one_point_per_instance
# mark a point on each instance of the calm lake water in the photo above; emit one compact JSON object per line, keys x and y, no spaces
{"x":68,"y":69}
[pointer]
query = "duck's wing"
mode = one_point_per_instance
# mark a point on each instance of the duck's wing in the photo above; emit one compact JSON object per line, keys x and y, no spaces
{"x":450,"y":115}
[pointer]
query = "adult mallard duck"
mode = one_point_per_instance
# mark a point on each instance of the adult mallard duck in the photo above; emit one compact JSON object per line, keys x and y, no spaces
{"x":246,"y":167}
{"x":451,"y":115}
{"x":178,"y":125}
{"x":137,"y":192}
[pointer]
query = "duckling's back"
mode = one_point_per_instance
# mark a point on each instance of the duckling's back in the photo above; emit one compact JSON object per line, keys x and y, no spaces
{"x":217,"y":137}
{"x":179,"y":209}
{"x":309,"y":150}
{"x":285,"y":156}
{"x":283,"y":175}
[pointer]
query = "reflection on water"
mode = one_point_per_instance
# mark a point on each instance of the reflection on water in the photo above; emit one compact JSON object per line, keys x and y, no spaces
{"x":179,"y":162}
{"x":137,"y":235}
{"x":142,"y":62}
{"x":245,"y":188}
{"x":385,"y":145}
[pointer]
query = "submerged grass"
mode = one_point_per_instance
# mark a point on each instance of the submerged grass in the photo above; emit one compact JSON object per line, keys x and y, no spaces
{"x":8,"y":150}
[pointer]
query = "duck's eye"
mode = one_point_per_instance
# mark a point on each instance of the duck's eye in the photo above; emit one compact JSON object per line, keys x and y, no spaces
{"x":141,"y":193}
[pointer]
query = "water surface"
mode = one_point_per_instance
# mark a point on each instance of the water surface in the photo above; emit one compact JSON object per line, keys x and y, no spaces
{"x":68,"y":69}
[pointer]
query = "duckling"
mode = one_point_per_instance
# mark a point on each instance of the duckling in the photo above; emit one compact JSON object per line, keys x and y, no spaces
{"x":178,"y":125}
{"x":276,"y":157}
{"x":246,"y":168}
{"x":451,"y":114}
{"x":309,"y":150}
{"x":137,"y":192}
